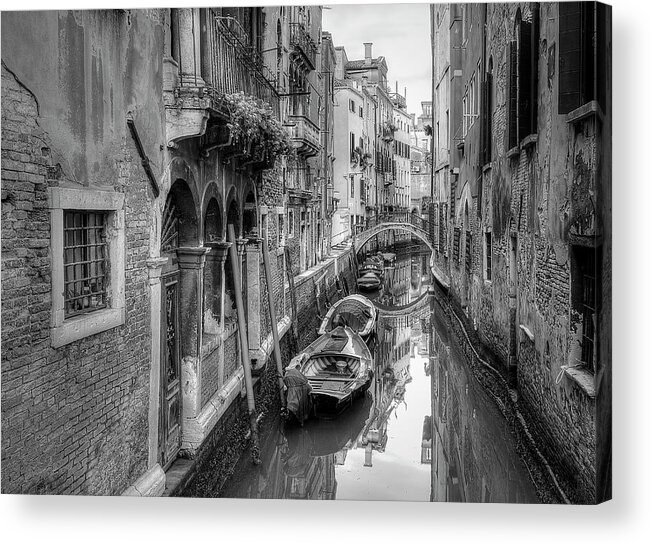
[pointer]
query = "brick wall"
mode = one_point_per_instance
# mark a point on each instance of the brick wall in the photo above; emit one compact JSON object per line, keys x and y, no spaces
{"x":74,"y":419}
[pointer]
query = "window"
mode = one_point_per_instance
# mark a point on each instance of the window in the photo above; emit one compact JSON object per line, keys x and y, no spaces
{"x":290,"y":223}
{"x":84,"y":262}
{"x":352,"y":146}
{"x":487,"y":115}
{"x":351,"y":104}
{"x":361,"y":111}
{"x":352,"y":186}
{"x":281,"y":229}
{"x":523,"y":79}
{"x":586,"y":302}
{"x":582,"y":68}
{"x":87,"y":248}
{"x":488,"y":252}
{"x":455,"y":244}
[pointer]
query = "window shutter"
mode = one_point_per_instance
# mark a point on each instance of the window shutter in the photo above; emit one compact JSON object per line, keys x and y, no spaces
{"x":569,"y":56}
{"x":525,"y":67}
{"x":535,"y":55}
{"x":513,"y":96}
{"x":489,"y":117}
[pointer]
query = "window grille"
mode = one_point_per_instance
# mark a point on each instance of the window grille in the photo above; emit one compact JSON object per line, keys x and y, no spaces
{"x":589,"y":310}
{"x":455,"y":248}
{"x":85,"y":262}
{"x":489,"y":256}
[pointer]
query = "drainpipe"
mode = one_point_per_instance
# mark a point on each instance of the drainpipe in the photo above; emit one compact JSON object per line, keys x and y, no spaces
{"x":244,"y":346}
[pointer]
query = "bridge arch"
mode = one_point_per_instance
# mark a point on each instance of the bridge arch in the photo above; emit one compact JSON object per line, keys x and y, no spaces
{"x":363,"y":237}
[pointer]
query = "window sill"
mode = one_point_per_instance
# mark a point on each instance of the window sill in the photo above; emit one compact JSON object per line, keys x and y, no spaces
{"x":513,"y":152}
{"x":527,"y":332}
{"x":583,"y":378}
{"x":83,"y":326}
{"x":590,"y":109}
{"x":529,"y":141}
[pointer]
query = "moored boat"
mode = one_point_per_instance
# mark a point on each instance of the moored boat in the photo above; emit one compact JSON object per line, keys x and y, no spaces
{"x":368,"y":282}
{"x":338,"y":366}
{"x":354,"y":311}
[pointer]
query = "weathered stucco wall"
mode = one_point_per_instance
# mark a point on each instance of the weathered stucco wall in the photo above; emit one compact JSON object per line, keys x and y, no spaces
{"x":75,"y":418}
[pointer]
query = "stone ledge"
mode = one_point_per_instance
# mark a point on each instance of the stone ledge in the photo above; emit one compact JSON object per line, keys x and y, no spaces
{"x":585,"y":111}
{"x":583,"y":378}
{"x":150,"y":484}
{"x":513,"y":152}
{"x":529,"y":141}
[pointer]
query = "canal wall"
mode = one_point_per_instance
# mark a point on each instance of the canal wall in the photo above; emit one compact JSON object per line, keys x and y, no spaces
{"x":214,"y":461}
{"x":553,"y":485}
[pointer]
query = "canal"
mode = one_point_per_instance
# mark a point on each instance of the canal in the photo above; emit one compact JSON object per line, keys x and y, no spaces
{"x":425,"y":431}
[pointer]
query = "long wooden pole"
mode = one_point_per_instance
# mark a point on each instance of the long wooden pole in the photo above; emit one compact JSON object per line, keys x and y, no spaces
{"x":274,"y":323}
{"x":244,"y":346}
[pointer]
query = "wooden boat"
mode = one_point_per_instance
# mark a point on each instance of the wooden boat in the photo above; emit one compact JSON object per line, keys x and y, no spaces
{"x":354,"y":311}
{"x":372,"y":264}
{"x":338,"y":366}
{"x":368,"y":282}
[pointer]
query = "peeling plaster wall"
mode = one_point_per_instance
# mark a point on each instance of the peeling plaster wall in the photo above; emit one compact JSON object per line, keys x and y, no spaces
{"x":542,"y":199}
{"x":75,"y":418}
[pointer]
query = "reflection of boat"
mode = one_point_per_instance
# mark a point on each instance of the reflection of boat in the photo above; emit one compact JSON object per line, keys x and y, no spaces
{"x":338,"y":367}
{"x":321,"y":437}
{"x":354,"y":311}
{"x":368,"y":282}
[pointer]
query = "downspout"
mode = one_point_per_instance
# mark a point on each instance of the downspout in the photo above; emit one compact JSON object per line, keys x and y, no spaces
{"x":244,"y":346}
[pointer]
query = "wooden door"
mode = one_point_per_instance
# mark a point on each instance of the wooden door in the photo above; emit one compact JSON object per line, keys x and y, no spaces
{"x":170,"y":417}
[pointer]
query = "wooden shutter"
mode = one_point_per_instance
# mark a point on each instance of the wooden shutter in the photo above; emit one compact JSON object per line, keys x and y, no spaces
{"x":524,"y":81}
{"x":486,"y":118}
{"x":513,"y":96}
{"x":535,"y":56}
{"x":569,"y":56}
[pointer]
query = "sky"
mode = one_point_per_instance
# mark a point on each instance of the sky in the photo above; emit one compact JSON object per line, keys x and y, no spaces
{"x":399,"y":32}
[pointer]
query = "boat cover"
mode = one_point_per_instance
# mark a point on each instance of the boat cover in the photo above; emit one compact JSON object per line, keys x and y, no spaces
{"x":299,"y":401}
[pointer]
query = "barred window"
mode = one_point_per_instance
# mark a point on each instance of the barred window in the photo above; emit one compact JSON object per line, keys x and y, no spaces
{"x":85,"y":261}
{"x":489,"y":257}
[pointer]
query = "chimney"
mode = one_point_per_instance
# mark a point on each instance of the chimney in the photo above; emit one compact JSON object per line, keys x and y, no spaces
{"x":368,"y":55}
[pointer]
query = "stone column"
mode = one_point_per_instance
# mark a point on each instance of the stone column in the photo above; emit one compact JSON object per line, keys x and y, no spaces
{"x":217,"y":258}
{"x":191,"y":262}
{"x":154,"y":266}
{"x":189,"y":40}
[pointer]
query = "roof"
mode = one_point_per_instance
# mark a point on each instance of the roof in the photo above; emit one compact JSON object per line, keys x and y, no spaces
{"x":360,"y":64}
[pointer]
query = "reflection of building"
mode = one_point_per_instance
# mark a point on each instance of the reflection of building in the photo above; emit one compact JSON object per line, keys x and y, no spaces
{"x":426,"y":441}
{"x":465,"y":425}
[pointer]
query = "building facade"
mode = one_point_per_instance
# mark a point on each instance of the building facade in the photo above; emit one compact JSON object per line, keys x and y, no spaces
{"x":533,"y":282}
{"x":135,"y":198}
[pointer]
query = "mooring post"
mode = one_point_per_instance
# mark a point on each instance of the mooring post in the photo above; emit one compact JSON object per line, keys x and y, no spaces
{"x":272,"y":319}
{"x":244,"y":346}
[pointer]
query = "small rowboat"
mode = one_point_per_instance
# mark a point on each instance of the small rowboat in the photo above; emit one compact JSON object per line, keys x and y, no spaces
{"x":368,"y":282}
{"x":339,"y":368}
{"x":354,"y":311}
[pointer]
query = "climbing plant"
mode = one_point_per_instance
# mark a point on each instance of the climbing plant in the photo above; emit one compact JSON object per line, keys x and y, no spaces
{"x":255,"y":129}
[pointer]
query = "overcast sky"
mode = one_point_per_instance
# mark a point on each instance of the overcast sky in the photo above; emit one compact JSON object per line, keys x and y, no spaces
{"x":399,"y":32}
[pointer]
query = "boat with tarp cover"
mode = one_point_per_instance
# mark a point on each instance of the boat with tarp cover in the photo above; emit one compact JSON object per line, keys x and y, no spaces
{"x":338,"y":367}
{"x":354,"y":311}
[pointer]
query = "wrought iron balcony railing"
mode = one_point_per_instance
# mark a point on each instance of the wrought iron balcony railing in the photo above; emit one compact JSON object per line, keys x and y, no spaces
{"x":303,"y":43}
{"x":237,"y":66}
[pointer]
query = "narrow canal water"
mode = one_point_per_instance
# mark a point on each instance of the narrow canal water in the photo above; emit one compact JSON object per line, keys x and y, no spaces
{"x":425,"y":431}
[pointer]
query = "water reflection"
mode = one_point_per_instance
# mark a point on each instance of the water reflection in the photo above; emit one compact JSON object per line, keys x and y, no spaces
{"x":426,"y":430}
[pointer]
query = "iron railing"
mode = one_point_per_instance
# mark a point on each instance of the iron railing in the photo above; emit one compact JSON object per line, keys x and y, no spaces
{"x":237,"y":66}
{"x":301,"y":40}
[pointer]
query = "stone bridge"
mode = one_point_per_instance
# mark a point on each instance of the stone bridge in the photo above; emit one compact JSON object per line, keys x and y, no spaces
{"x":405,"y":221}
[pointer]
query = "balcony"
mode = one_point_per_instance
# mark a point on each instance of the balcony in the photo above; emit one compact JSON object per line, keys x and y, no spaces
{"x":230,"y":65}
{"x":305,"y":135}
{"x":303,"y":44}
